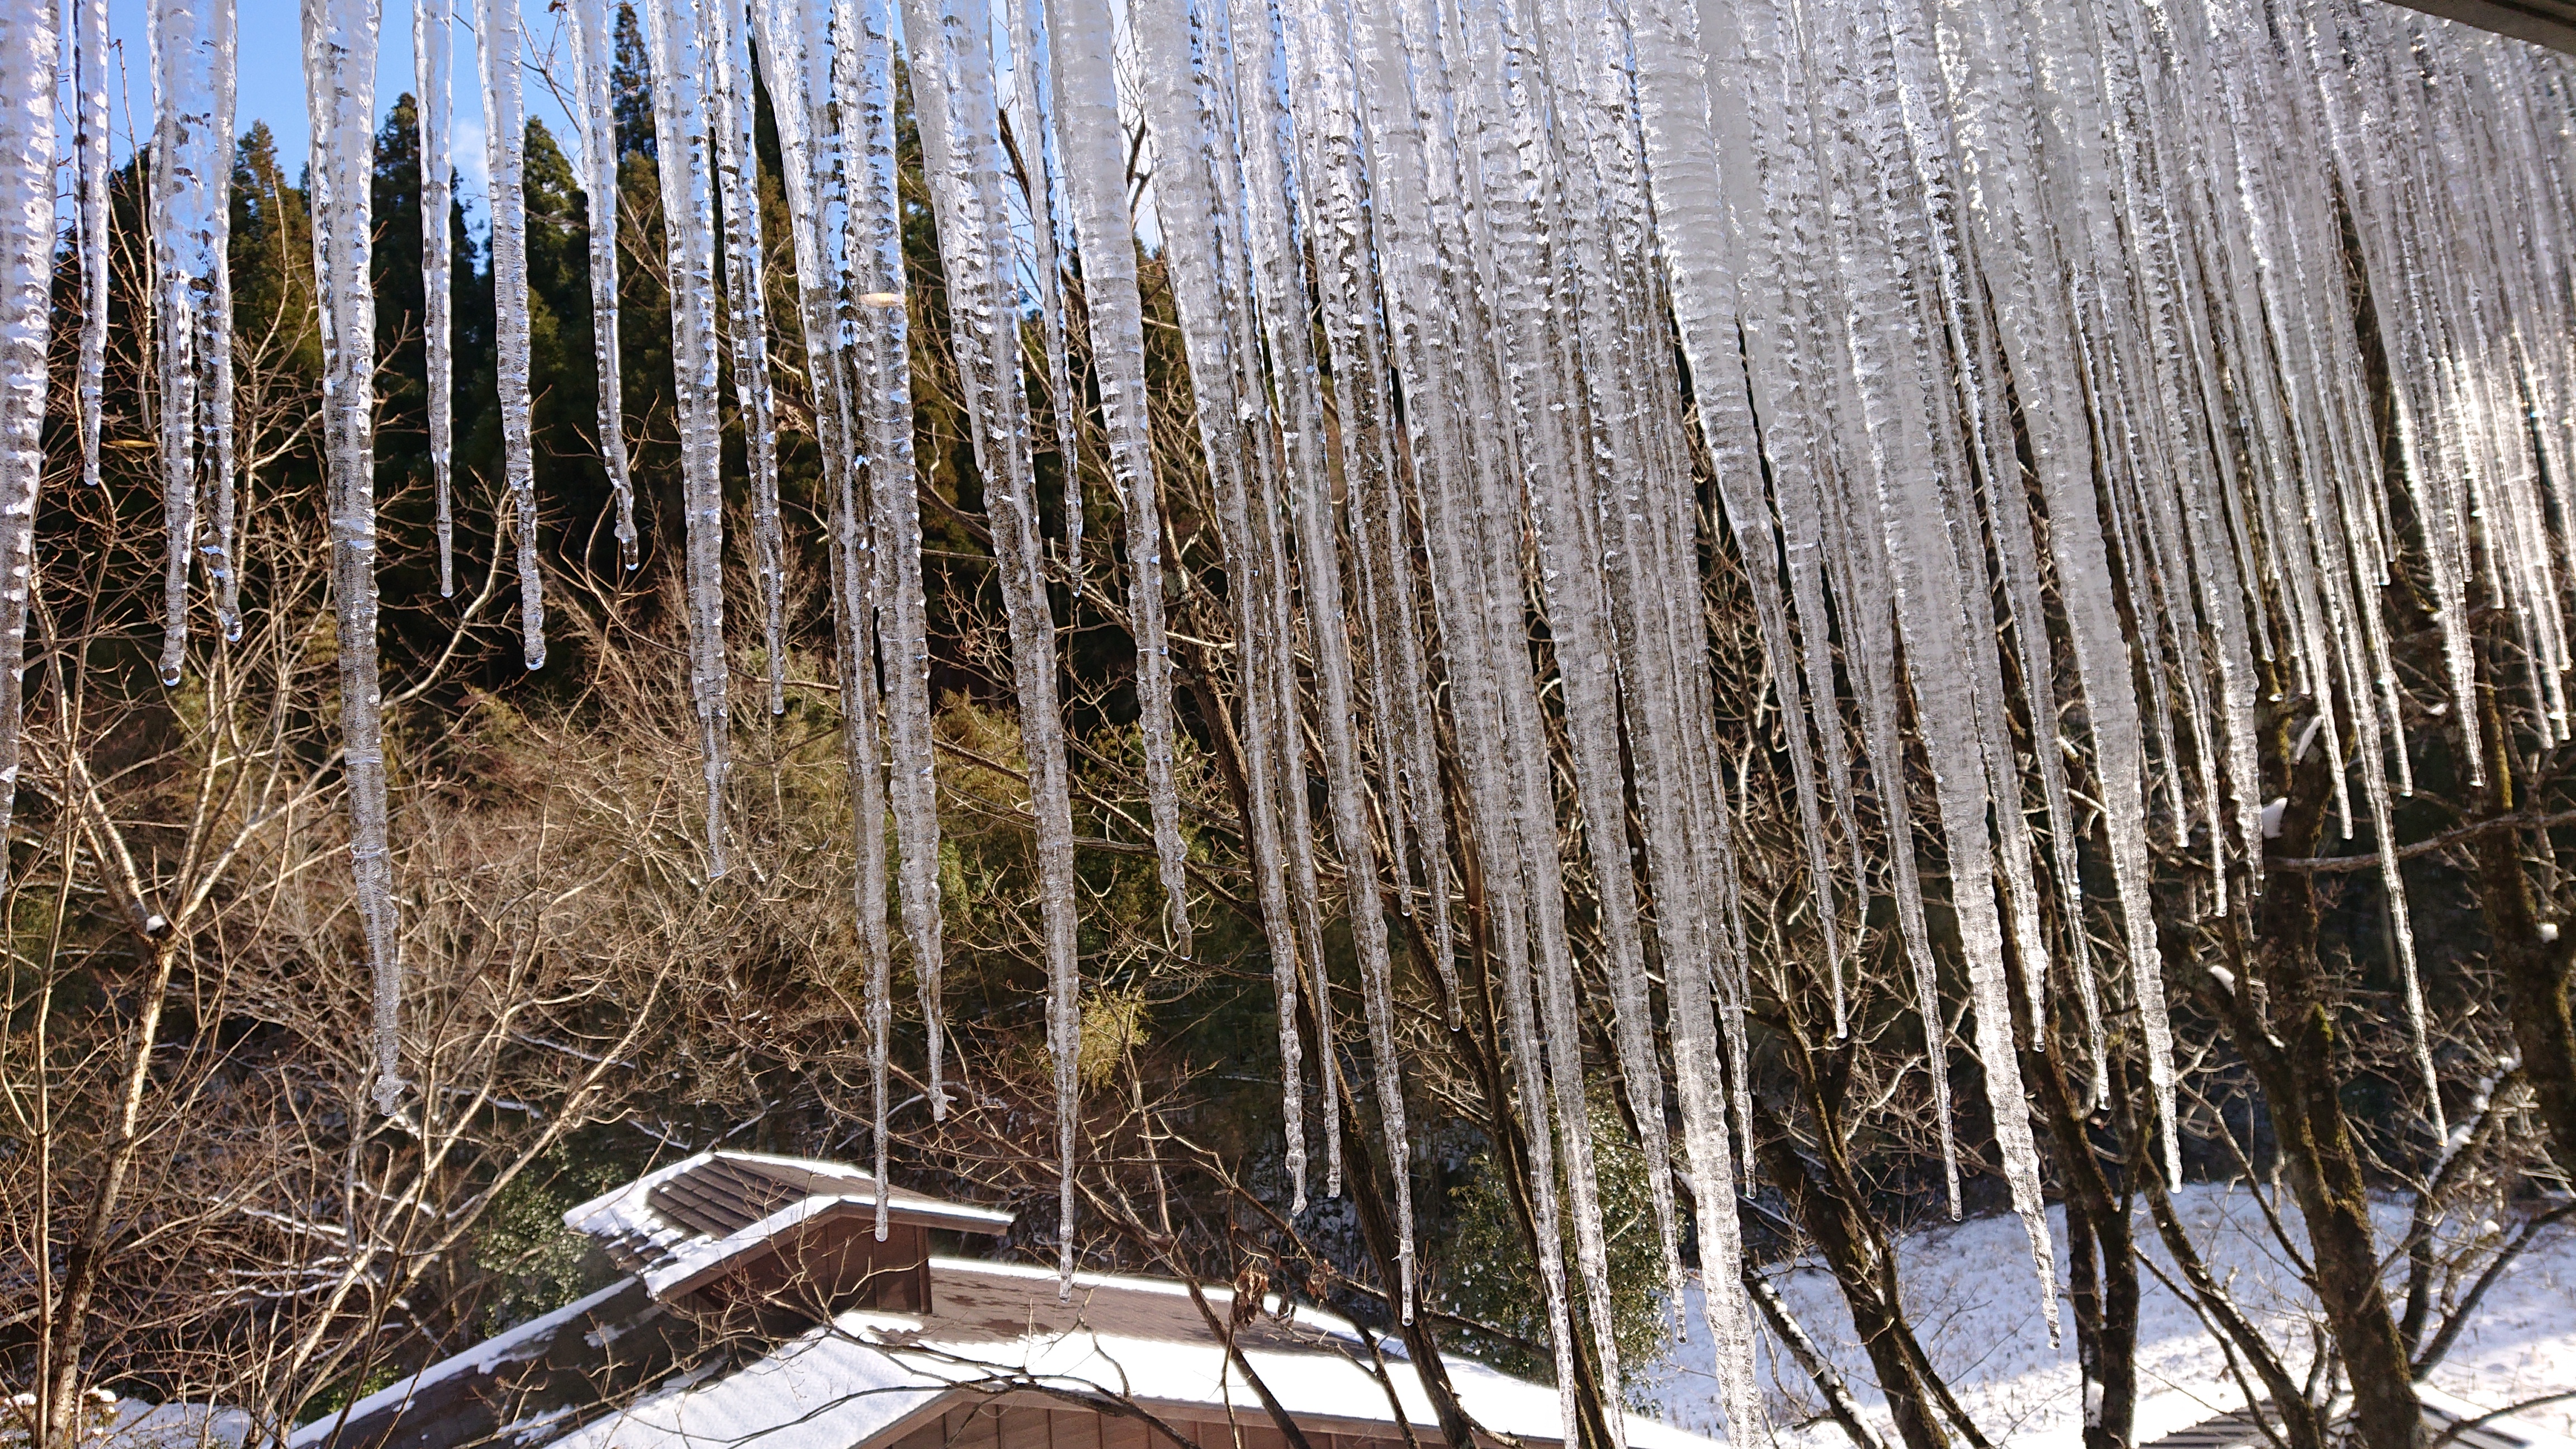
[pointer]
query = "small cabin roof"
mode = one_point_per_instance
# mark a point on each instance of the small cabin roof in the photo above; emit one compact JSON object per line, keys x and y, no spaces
{"x":678,"y":1226}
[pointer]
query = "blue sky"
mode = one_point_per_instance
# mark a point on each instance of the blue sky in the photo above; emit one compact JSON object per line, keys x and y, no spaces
{"x":271,"y":77}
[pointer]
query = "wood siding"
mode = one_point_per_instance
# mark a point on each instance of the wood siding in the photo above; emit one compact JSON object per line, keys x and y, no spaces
{"x":1011,"y":1421}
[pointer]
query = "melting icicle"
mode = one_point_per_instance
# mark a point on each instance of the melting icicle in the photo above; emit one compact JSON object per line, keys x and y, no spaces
{"x":90,"y":157}
{"x":1186,"y":204}
{"x":192,"y":156}
{"x":1092,"y":143}
{"x":505,"y":144}
{"x":680,"y":120}
{"x":1268,"y":147}
{"x":961,"y":135}
{"x":747,"y":312}
{"x":340,"y":95}
{"x":865,"y":81}
{"x":432,"y":47}
{"x":30,"y":42}
{"x":593,"y":46}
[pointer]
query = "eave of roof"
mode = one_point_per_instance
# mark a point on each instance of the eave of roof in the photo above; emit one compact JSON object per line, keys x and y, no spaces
{"x":2543,"y":22}
{"x":682,"y":1258}
{"x":1000,"y":1329}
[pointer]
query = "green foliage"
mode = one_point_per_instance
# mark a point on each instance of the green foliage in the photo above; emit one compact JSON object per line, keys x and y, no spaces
{"x":532,"y":1264}
{"x":1485,"y":1272}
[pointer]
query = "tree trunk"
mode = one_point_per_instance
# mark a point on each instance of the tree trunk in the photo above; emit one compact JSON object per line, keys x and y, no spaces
{"x":1879,"y":1324}
{"x":2102,"y":1260}
{"x":2538,"y":969}
{"x":2293,"y":1057}
{"x":87,"y":1256}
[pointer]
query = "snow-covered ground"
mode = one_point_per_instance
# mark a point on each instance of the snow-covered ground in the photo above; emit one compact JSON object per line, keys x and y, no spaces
{"x":1976,"y":1304}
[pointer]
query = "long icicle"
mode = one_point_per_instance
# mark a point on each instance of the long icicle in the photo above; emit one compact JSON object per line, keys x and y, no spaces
{"x":594,"y":41}
{"x":340,"y":94}
{"x":192,"y":153}
{"x":90,"y":154}
{"x":433,"y":40}
{"x":730,"y":122}
{"x":680,"y":124}
{"x":1092,"y":141}
{"x":961,"y":133}
{"x":1267,"y":144}
{"x":505,"y":151}
{"x":30,"y":46}
{"x":865,"y":59}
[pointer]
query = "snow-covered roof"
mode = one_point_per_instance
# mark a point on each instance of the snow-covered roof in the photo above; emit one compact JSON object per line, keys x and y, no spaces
{"x":1000,"y":1326}
{"x":682,"y":1224}
{"x":525,"y":1343}
{"x":638,"y":1366}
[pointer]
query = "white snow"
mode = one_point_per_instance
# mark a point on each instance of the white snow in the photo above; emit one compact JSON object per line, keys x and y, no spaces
{"x":1967,"y":1290}
{"x":840,"y":1385}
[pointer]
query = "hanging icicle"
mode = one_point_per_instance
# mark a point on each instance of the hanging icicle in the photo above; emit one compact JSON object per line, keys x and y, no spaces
{"x":433,"y":39}
{"x":961,"y":141}
{"x":30,"y":46}
{"x":340,"y":95}
{"x":505,"y":144}
{"x":1092,"y":143}
{"x":685,"y":149}
{"x":592,"y":26}
{"x":880,"y":327}
{"x":747,"y":316}
{"x":192,"y":167}
{"x":90,"y":182}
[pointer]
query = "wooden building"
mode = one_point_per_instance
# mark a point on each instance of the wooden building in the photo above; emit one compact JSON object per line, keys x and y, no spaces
{"x":758,"y":1310}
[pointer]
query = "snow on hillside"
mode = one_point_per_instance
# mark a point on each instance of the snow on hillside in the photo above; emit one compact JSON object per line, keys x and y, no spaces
{"x":1970,"y":1291}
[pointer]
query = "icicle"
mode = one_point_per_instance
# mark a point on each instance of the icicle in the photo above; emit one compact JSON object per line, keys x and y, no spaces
{"x":1268,"y":148}
{"x":2037,"y":326}
{"x":747,"y":314}
{"x":593,"y":46}
{"x":1353,"y":311}
{"x":340,"y":95}
{"x":680,"y":121}
{"x":505,"y":143}
{"x":192,"y":155}
{"x":1033,"y":128}
{"x":30,"y":45}
{"x":1674,"y":101}
{"x":1092,"y":143}
{"x":852,"y":567}
{"x":863,"y":79}
{"x":432,"y":46}
{"x":961,"y":136}
{"x":90,"y":155}
{"x":1186,"y":206}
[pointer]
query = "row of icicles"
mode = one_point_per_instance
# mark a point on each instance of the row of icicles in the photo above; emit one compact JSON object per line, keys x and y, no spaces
{"x":1897,"y":243}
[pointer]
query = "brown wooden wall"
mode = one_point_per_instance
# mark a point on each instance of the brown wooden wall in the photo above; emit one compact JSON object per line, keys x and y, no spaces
{"x":1011,"y":1423}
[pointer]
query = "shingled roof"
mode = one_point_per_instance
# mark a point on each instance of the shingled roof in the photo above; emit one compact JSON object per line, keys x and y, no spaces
{"x":680,"y":1226}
